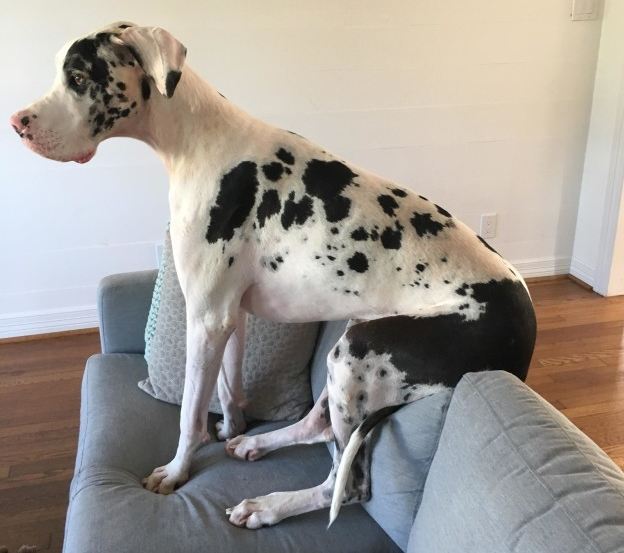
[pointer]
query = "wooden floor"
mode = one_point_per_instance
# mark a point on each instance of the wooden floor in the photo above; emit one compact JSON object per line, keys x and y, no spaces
{"x":578,"y":366}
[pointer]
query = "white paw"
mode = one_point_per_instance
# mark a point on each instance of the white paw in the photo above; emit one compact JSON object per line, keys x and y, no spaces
{"x":164,"y":480}
{"x":246,"y":448}
{"x":258,"y":512}
{"x":231,"y":426}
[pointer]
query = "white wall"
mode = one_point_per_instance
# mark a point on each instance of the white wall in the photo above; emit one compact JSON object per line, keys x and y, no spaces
{"x":600,"y":191}
{"x":482,"y":106}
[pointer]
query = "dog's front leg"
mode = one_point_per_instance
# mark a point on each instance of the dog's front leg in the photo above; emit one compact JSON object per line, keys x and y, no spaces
{"x":205,"y":341}
{"x":230,"y":383}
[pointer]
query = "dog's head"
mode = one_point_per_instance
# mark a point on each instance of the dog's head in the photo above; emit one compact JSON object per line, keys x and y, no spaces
{"x":103,"y":86}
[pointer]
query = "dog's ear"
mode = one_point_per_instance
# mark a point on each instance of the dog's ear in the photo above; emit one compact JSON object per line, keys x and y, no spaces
{"x":158,"y":52}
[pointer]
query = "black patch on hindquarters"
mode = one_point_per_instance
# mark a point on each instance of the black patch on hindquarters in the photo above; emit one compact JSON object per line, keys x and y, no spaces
{"x":327,"y":180}
{"x":285,"y":156}
{"x":391,"y":238}
{"x":269,"y":205}
{"x":173,"y":77}
{"x":358,"y":262}
{"x":488,"y":246}
{"x":296,"y":212}
{"x":273,"y":171}
{"x":234,"y":203}
{"x":443,"y":348}
{"x":388,"y":204}
{"x":424,"y":224}
{"x":359,"y":234}
{"x":146,"y":90}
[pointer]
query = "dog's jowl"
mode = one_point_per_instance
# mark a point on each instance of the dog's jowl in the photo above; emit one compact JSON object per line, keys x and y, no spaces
{"x":266,"y":222}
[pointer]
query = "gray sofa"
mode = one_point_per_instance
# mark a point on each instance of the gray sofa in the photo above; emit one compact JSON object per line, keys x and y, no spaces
{"x":489,"y":467}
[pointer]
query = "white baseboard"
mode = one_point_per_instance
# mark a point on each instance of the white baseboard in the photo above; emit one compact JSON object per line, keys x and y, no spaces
{"x":44,"y":322}
{"x":582,"y":271}
{"x":543,"y":266}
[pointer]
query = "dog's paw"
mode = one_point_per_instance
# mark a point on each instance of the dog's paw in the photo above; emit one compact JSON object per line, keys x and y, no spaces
{"x":164,"y":480}
{"x":258,"y":512}
{"x":246,"y":448}
{"x":232,"y":425}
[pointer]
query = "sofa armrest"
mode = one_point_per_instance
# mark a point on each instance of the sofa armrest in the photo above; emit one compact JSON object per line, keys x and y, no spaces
{"x":123,"y":306}
{"x":511,"y":473}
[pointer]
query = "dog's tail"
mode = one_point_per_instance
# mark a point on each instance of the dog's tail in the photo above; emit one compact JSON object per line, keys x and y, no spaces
{"x":349,"y":453}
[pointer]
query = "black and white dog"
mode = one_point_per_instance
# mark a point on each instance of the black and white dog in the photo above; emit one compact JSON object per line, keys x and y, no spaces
{"x":265,"y":222}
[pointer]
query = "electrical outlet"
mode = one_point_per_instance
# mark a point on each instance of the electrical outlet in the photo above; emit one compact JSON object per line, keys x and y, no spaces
{"x":488,"y":225}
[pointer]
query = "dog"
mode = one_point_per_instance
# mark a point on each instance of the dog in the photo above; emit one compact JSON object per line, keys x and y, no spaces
{"x":264,"y":221}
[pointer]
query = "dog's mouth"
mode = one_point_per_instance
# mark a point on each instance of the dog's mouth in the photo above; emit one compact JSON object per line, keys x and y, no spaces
{"x":84,"y":158}
{"x":49,"y":147}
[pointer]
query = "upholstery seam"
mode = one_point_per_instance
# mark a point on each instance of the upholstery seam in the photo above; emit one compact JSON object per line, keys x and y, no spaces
{"x":589,"y":538}
{"x":433,"y":454}
{"x":86,"y":433}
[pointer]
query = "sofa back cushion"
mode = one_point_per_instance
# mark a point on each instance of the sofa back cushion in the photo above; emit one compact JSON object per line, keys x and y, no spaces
{"x":403,"y":447}
{"x":275,"y":364}
{"x":513,"y":474}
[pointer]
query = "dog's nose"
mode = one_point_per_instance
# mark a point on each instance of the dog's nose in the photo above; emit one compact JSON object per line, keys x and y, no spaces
{"x":20,"y":121}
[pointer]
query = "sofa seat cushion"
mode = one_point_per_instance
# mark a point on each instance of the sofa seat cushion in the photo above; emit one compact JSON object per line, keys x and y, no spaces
{"x":125,"y":433}
{"x":512,"y":474}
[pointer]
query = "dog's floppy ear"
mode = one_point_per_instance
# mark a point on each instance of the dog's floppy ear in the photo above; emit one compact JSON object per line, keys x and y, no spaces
{"x":158,"y":52}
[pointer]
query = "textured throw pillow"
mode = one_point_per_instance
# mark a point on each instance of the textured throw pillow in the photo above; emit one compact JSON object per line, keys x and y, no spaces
{"x":276,"y":376}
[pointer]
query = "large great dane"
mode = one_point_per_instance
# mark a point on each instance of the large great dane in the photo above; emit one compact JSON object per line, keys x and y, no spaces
{"x":263,"y":221}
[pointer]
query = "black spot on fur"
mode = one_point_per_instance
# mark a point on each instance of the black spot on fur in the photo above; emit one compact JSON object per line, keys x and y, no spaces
{"x":399,"y":193}
{"x":391,"y":239}
{"x":25,"y":120}
{"x":145,"y":88}
{"x":121,"y":86}
{"x":273,"y":171}
{"x":374,"y":235}
{"x":285,"y":156}
{"x":442,"y":211}
{"x":424,"y":224}
{"x":334,"y":230}
{"x":443,"y":259}
{"x":359,"y":234}
{"x":269,"y":205}
{"x":487,"y":245}
{"x":230,"y":261}
{"x":173,"y":77}
{"x":326,"y":180}
{"x":340,"y":273}
{"x":420,"y":267}
{"x":449,"y":346}
{"x":296,"y":212}
{"x":388,"y":204}
{"x":235,"y":201}
{"x":358,"y":262}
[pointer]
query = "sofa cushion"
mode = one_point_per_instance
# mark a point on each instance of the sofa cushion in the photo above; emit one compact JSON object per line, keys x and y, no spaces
{"x":513,"y":474}
{"x":403,"y":447}
{"x":125,"y":433}
{"x":271,"y":350}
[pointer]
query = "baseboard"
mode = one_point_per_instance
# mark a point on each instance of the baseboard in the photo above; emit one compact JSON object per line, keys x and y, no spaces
{"x":543,"y":266}
{"x":582,"y":271}
{"x":45,"y":322}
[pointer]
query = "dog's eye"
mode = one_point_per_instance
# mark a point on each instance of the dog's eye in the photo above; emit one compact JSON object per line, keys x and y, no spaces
{"x":78,"y":79}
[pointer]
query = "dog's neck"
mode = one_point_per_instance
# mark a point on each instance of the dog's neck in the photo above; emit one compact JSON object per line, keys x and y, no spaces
{"x":192,"y":127}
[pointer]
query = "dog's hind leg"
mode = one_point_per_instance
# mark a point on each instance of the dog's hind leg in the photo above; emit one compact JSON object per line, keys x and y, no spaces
{"x":313,"y":428}
{"x":230,"y":383}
